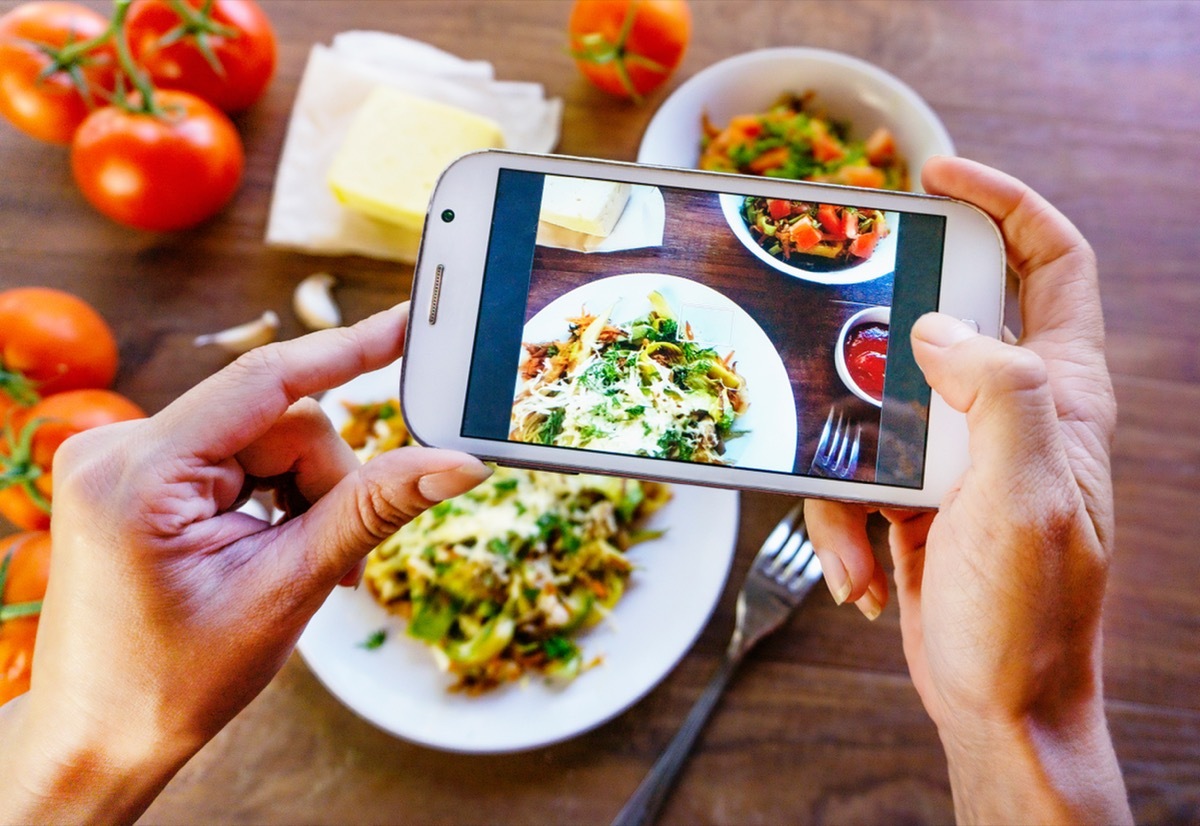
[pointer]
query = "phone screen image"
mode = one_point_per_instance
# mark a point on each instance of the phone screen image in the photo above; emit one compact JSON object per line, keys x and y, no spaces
{"x":695,"y":326}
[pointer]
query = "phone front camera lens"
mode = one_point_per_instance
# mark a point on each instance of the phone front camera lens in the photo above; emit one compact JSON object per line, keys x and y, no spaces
{"x":447,"y":215}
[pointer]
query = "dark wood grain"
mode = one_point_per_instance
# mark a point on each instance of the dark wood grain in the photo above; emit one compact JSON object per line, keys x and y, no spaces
{"x":1094,"y":103}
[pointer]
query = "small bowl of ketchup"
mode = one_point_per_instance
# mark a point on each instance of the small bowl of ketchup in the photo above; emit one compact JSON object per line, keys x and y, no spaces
{"x":861,"y":353}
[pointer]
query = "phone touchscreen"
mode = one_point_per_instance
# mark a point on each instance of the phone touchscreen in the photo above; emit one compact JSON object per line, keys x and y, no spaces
{"x":693,"y":326}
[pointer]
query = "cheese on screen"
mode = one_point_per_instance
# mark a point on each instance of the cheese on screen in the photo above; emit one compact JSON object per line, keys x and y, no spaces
{"x":587,"y":206}
{"x":395,"y":150}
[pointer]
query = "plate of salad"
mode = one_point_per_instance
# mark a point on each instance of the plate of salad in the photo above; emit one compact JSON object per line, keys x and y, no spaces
{"x":522,"y":613}
{"x":658,"y":365}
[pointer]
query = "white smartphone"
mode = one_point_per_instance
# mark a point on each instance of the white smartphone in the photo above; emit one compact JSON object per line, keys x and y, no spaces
{"x":706,"y":328}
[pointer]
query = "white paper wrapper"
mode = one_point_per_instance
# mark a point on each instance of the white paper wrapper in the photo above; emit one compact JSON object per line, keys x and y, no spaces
{"x":304,"y":214}
{"x":640,"y":225}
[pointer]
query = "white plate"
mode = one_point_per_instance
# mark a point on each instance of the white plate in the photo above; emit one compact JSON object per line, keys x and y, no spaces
{"x":847,"y":88}
{"x":881,"y":262}
{"x":398,"y":687}
{"x":770,"y":422}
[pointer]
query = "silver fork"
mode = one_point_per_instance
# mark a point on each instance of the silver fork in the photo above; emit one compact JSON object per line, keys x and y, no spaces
{"x":781,"y":576}
{"x":837,"y":451}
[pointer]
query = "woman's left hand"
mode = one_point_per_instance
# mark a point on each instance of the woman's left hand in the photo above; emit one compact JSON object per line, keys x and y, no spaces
{"x":168,"y":610}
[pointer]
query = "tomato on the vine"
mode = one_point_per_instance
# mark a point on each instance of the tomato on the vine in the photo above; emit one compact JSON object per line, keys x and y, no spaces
{"x":161,"y":172}
{"x":36,"y":434}
{"x":629,"y":47}
{"x":26,"y":560}
{"x":184,"y":52}
{"x":28,"y":555}
{"x":40,"y":75}
{"x":16,"y":656}
{"x":51,"y":341}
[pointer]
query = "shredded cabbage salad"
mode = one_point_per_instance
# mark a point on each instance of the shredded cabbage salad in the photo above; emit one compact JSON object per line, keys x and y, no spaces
{"x":498,"y":581}
{"x":645,"y":388}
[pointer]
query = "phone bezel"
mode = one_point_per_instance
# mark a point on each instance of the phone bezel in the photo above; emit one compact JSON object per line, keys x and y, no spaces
{"x":441,"y":335}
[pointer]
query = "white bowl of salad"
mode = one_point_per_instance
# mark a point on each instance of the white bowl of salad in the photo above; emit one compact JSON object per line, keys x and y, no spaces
{"x":801,"y":113}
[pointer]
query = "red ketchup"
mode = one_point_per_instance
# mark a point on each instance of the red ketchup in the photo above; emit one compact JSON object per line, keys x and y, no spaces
{"x":866,"y":357}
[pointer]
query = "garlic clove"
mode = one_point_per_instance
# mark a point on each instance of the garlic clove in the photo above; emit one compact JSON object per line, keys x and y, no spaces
{"x":313,"y":302}
{"x":243,"y":337}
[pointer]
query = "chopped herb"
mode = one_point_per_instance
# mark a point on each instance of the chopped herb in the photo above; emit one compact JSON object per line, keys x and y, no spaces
{"x":374,"y":641}
{"x":500,"y":547}
{"x":560,"y":648}
{"x":505,"y":485}
{"x":387,"y":410}
{"x":551,"y":427}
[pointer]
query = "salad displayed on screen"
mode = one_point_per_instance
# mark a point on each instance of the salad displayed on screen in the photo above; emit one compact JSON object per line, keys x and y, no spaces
{"x":644,"y":388}
{"x":802,"y":233}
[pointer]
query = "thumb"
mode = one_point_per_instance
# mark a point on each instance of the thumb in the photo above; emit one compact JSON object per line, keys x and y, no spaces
{"x":373,"y":502}
{"x":1004,"y":391}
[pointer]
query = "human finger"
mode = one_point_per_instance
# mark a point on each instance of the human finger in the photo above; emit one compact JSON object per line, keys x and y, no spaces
{"x":231,"y":409}
{"x":839,"y":535}
{"x":1060,"y":296}
{"x":1004,"y":392}
{"x":303,"y":444}
{"x":907,"y":535}
{"x":371,"y":504}
{"x":875,"y":597}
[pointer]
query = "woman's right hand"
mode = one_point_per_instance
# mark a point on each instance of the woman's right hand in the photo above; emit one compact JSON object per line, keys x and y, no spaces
{"x":1000,"y":590}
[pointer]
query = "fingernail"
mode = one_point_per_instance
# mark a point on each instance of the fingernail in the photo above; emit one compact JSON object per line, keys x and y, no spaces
{"x":446,"y":484}
{"x":835,"y":575}
{"x":870,"y":605}
{"x":941,"y":330}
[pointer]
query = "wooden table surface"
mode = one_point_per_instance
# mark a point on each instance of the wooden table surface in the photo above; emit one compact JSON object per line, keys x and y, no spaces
{"x":1096,"y":104}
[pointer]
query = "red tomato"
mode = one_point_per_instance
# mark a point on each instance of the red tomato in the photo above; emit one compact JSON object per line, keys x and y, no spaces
{"x":778,"y":208}
{"x":28,"y":566}
{"x":16,"y":656}
{"x":826,"y":147}
{"x":805,"y":235}
{"x":55,"y":340}
{"x":158,"y":173}
{"x":867,"y":176}
{"x":831,"y":223}
{"x":881,"y":147}
{"x":60,"y":416}
{"x":629,"y":47}
{"x":864,"y":245}
{"x":50,"y":108}
{"x":243,"y":43}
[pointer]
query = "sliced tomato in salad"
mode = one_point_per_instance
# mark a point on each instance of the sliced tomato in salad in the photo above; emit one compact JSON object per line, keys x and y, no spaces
{"x":867,"y":176}
{"x":831,"y":222}
{"x":881,"y":147}
{"x":770,"y":160}
{"x":778,"y":208}
{"x":864,"y":245}
{"x":805,"y":234}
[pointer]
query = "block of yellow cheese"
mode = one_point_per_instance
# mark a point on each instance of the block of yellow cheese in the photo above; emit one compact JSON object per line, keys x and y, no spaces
{"x":397,"y":146}
{"x":585,"y":205}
